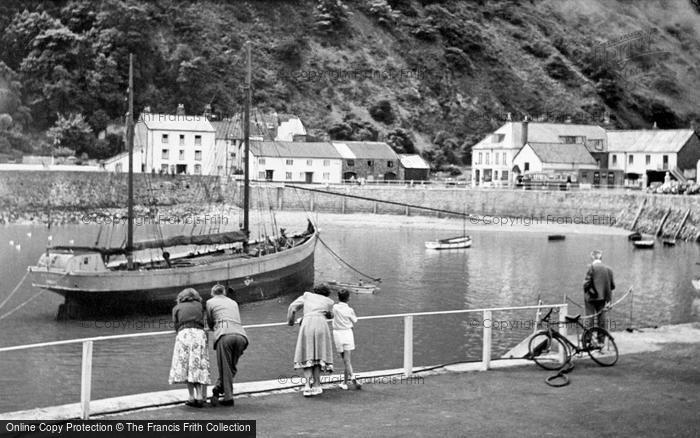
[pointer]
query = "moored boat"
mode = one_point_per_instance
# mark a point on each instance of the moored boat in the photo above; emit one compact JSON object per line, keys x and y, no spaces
{"x":451,"y":243}
{"x":635,"y":236}
{"x":109,"y":281}
{"x":644,"y":243}
{"x":556,"y":237}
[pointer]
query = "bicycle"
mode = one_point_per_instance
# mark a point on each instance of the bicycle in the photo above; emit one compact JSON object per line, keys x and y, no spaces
{"x":553,"y":351}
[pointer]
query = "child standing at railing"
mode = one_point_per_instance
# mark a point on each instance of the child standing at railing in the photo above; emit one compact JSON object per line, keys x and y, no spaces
{"x":343,"y":320}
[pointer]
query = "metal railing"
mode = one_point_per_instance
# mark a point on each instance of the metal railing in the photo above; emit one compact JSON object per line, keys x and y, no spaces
{"x":487,"y":314}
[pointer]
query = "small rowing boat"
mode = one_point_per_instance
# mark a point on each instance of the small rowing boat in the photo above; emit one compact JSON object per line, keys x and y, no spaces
{"x":669,"y":242}
{"x":556,"y":237}
{"x":635,"y":236}
{"x":644,"y":243}
{"x":451,"y":243}
{"x":357,"y":288}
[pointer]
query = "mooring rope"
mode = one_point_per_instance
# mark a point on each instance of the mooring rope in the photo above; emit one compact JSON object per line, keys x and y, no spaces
{"x":605,"y":309}
{"x":22,"y":305}
{"x":14,"y":290}
{"x":377,"y":279}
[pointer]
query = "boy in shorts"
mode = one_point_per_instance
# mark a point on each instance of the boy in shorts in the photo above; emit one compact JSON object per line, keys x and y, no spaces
{"x":343,"y":320}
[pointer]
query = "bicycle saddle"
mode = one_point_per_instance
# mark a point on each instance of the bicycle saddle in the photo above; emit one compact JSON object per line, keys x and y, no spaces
{"x":573,"y":318}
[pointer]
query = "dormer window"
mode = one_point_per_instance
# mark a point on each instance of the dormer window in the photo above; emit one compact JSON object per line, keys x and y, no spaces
{"x":497,"y":138}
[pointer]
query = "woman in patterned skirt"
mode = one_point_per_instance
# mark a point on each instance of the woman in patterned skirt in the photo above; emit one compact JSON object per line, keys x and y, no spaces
{"x":314,"y":350}
{"x":190,"y":356}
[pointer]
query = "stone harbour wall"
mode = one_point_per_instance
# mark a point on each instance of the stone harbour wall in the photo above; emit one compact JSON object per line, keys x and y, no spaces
{"x":33,"y":196}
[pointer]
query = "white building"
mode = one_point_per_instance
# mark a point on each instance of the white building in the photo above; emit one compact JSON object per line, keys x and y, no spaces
{"x":553,"y":157}
{"x":653,"y":152}
{"x":172,"y":143}
{"x":295,"y":162}
{"x":492,"y":157}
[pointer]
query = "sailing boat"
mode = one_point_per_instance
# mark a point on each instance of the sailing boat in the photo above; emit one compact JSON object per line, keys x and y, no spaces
{"x":463,"y":241}
{"x":256,"y":270}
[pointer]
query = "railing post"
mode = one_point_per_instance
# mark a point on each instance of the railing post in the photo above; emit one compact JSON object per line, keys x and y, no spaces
{"x":486,"y":350}
{"x":408,"y":345}
{"x":563,"y":311}
{"x":86,"y":380}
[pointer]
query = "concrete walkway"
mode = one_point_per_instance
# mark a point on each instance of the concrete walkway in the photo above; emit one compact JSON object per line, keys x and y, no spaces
{"x":652,"y":392}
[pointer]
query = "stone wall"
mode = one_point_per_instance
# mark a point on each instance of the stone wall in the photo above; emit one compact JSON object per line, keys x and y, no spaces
{"x":26,"y":194}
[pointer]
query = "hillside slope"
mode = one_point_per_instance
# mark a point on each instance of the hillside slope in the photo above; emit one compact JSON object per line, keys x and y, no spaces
{"x":444,"y":72}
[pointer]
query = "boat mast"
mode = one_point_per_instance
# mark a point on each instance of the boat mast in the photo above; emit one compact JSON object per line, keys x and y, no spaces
{"x":246,"y":140}
{"x":130,"y":148}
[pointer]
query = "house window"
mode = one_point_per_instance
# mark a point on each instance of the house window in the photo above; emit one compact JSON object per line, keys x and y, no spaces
{"x":504,"y":175}
{"x":164,"y":139}
{"x":302,"y":175}
{"x":309,"y":162}
{"x":165,"y":155}
{"x":326,"y":176}
{"x":614,"y":162}
{"x":198,"y":155}
{"x":288,"y":175}
{"x":504,"y":159}
{"x":163,"y":168}
{"x":495,"y":175}
{"x":479,"y":160}
{"x":182,"y":140}
{"x":197,"y":140}
{"x":182,"y":154}
{"x":526,"y":167}
{"x":261,"y":161}
{"x":197,"y":169}
{"x":647,"y":159}
{"x":665,"y":161}
{"x":495,"y":158}
{"x":261,"y":174}
{"x":488,"y":158}
{"x":630,"y":159}
{"x":351,"y":163}
{"x":497,"y":138}
{"x":389,"y":164}
{"x":289,"y":162}
{"x":370,"y":163}
{"x":326,"y":163}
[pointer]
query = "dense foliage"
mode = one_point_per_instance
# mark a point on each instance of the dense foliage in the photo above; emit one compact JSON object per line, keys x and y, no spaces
{"x":429,"y":76}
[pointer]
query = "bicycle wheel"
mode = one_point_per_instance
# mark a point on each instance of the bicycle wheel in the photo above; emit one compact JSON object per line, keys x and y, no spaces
{"x":600,"y":346}
{"x":548,"y":351}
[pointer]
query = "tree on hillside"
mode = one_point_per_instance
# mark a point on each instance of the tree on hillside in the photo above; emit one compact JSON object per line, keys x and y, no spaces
{"x":17,"y":40}
{"x":11,"y":97}
{"x":73,"y":132}
{"x":331,"y":15}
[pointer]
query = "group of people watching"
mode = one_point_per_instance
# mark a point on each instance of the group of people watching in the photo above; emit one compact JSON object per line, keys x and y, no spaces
{"x":313,"y":354}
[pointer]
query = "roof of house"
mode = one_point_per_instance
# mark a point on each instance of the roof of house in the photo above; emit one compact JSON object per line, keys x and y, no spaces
{"x":371,"y":150}
{"x":540,"y":132}
{"x":574,"y":153}
{"x":224,"y":129}
{"x":173,"y":122}
{"x":648,"y":140}
{"x":413,"y":161}
{"x":293,"y":149}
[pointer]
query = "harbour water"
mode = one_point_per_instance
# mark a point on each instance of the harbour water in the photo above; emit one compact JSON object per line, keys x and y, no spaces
{"x":501,"y":269}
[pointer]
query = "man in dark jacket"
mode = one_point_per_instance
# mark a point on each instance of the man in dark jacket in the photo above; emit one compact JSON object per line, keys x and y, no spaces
{"x":597,"y":289}
{"x":230,"y":340}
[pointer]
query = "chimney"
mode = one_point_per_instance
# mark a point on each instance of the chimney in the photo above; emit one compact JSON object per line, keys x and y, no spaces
{"x":180,"y":109}
{"x":655,"y":126}
{"x":207,"y":111}
{"x":524,"y":131}
{"x":147,"y":109}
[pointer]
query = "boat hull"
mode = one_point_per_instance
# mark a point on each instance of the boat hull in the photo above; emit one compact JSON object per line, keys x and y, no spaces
{"x":153,"y":292}
{"x":444,"y":245}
